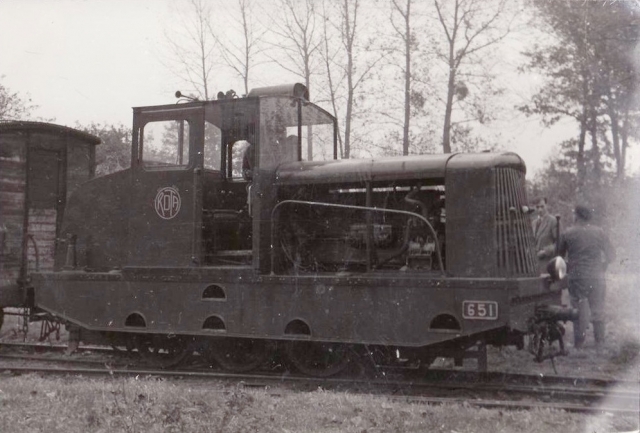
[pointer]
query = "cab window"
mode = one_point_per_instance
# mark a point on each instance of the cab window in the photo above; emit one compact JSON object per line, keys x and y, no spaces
{"x":317,"y":140}
{"x":242,"y":160}
{"x":212,"y":140}
{"x":165,"y":144}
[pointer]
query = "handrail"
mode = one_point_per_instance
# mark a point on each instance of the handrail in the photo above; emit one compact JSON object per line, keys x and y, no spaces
{"x":362,"y":208}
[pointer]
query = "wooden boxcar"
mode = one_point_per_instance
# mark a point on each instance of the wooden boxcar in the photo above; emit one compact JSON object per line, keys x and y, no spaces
{"x":41,"y":164}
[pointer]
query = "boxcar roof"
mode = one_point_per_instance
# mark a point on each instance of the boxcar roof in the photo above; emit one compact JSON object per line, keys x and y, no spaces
{"x":24,"y":126}
{"x":390,"y":168}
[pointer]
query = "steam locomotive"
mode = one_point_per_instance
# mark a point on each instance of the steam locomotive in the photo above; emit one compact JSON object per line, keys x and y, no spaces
{"x":238,"y":233}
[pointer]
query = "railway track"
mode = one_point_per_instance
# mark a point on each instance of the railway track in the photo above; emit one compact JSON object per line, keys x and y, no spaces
{"x":491,"y":390}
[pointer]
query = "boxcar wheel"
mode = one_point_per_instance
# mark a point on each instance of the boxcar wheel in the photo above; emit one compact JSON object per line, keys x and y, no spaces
{"x":318,"y":359}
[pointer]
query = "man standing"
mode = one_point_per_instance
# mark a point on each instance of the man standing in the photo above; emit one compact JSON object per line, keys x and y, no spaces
{"x":545,"y":229}
{"x":588,"y":251}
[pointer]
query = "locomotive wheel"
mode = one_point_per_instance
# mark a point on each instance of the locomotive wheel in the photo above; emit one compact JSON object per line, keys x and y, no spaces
{"x":239,"y":355}
{"x":118,"y":344}
{"x":161,"y":351}
{"x":318,"y":359}
{"x":127,"y":348}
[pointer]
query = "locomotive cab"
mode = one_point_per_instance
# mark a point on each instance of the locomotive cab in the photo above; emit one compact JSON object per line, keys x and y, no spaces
{"x":202,"y":173}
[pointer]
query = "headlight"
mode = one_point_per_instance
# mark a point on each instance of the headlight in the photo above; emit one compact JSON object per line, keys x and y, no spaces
{"x":557,"y":268}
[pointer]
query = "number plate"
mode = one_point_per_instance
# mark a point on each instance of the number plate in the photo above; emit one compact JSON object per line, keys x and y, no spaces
{"x":480,"y":310}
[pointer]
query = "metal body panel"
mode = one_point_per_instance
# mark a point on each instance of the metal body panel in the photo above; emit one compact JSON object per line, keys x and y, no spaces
{"x":470,"y":229}
{"x":372,"y":309}
{"x":160,"y":240}
{"x":98,"y":216}
{"x":486,"y":227}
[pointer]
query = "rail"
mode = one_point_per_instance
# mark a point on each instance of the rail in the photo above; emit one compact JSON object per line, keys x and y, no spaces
{"x":361,"y":208}
{"x":490,"y":390}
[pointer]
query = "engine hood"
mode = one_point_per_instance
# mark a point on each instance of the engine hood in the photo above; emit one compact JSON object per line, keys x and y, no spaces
{"x":387,"y":169}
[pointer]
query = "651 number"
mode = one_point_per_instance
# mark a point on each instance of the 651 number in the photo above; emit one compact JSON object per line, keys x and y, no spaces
{"x":480,"y":310}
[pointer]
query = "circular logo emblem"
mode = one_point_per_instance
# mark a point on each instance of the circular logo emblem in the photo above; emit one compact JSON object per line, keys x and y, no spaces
{"x":167,"y":203}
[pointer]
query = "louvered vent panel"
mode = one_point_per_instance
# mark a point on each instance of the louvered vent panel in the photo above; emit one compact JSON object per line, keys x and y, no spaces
{"x":513,"y":230}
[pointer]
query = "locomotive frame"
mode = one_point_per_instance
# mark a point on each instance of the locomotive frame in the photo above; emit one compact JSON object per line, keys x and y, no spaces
{"x":220,"y":238}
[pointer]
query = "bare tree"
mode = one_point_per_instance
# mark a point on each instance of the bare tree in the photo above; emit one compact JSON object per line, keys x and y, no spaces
{"x":470,"y":26}
{"x":349,"y":65}
{"x":406,"y":35}
{"x":297,"y":43}
{"x":328,"y":58}
{"x":241,"y":43}
{"x":348,"y":32}
{"x":193,"y":49}
{"x":412,"y":62}
{"x":222,"y":34}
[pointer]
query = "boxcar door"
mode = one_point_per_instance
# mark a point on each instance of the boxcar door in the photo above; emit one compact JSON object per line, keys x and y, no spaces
{"x":45,"y":180}
{"x":164,"y":228}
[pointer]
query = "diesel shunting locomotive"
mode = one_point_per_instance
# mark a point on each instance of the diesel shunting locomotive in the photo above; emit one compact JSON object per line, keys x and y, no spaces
{"x":238,"y":233}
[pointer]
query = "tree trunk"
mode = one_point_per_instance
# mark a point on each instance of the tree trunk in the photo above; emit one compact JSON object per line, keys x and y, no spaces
{"x":446,"y":133}
{"x":580,"y":163}
{"x":407,"y":82}
{"x":615,"y":135}
{"x":584,"y":119}
{"x":307,"y":82}
{"x":349,"y":46}
{"x":451,"y":36}
{"x":595,"y":151}
{"x":625,"y":143}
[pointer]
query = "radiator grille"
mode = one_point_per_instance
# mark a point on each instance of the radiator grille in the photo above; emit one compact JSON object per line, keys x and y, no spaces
{"x":514,"y":236}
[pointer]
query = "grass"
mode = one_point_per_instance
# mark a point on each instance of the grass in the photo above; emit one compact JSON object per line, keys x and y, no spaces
{"x":43,"y":404}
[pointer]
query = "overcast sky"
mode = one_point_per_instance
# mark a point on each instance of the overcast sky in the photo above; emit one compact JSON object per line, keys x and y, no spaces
{"x":92,"y":60}
{"x":84,"y":60}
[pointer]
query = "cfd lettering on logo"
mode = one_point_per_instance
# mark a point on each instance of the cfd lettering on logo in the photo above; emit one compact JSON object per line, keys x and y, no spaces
{"x":167,"y":203}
